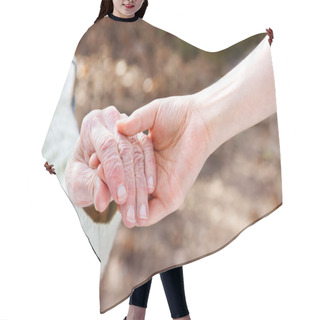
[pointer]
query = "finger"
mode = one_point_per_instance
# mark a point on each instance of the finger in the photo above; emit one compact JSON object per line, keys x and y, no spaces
{"x":128,"y":209}
{"x":123,"y":116}
{"x":78,"y":178}
{"x":157,"y":211}
{"x":101,"y":174}
{"x":94,"y":161}
{"x":107,"y":152}
{"x":101,"y":195}
{"x":140,"y":120}
{"x":141,"y":185}
{"x":85,"y":188}
{"x":163,"y":203}
{"x":149,"y":161}
{"x":97,"y":135}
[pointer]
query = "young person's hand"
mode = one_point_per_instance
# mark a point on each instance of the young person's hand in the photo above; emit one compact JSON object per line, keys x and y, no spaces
{"x":106,"y":165}
{"x":186,"y":130}
{"x":180,"y":141}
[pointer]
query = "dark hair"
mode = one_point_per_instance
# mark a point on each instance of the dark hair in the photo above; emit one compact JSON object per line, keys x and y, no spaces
{"x":106,"y":7}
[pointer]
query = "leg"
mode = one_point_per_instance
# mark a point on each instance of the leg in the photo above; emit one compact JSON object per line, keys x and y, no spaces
{"x":138,"y":302}
{"x":173,"y":285}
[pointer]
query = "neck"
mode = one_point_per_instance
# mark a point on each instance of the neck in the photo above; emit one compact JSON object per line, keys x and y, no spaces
{"x":126,"y":19}
{"x":118,"y":14}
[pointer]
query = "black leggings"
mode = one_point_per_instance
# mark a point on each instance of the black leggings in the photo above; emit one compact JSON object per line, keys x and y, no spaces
{"x":172,"y":281}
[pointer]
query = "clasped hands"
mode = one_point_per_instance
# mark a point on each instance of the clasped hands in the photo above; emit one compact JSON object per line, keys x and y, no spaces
{"x":106,"y":165}
{"x":148,"y":176}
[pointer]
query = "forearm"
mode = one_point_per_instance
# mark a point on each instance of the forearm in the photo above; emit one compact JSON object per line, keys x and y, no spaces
{"x":241,"y":99}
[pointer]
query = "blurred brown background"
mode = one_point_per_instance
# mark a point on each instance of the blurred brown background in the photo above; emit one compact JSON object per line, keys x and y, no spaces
{"x":129,"y":64}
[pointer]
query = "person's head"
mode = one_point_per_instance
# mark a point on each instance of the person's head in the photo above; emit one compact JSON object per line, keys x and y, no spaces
{"x":122,"y":8}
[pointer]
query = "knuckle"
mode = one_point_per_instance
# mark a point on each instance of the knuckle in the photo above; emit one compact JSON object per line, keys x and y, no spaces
{"x":89,"y":117}
{"x":109,"y":156}
{"x":138,"y":155}
{"x":146,"y":143}
{"x":110,"y":116}
{"x":89,"y":122}
{"x":125,"y":152}
{"x":89,"y":185}
{"x":145,"y":140}
{"x":114,"y":168}
{"x":124,"y":116}
{"x":107,"y":145}
{"x":111,"y":109}
{"x":111,"y":112}
{"x":139,"y":168}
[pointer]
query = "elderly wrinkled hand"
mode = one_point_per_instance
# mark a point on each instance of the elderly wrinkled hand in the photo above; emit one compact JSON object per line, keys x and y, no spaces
{"x":106,"y":165}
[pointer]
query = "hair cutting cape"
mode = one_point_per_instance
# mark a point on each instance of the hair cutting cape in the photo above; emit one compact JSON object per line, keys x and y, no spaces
{"x":127,"y":65}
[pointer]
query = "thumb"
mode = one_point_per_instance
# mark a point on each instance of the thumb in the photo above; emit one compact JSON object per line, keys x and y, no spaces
{"x":140,"y":120}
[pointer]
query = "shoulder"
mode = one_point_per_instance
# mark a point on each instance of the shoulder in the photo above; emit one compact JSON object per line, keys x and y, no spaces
{"x":92,"y":35}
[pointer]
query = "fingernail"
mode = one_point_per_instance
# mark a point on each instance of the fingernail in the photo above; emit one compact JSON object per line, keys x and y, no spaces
{"x":150,"y":183}
{"x":143,"y":212}
{"x":131,"y":217}
{"x":122,"y":192}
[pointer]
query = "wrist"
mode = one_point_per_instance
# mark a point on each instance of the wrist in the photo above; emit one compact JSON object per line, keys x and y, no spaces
{"x":212,"y":103}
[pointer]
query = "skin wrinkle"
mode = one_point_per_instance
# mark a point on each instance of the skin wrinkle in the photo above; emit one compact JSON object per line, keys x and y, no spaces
{"x":139,"y":166}
{"x":169,"y":177}
{"x":136,"y":164}
{"x":181,"y":129}
{"x":147,"y":149}
{"x":164,"y":204}
{"x":107,"y":146}
{"x":94,"y":161}
{"x":95,"y":186}
{"x":128,"y":174}
{"x":145,"y":171}
{"x":138,"y":155}
{"x":141,"y":185}
{"x":205,"y":126}
{"x":202,"y":147}
{"x":162,"y":147}
{"x":88,"y":130}
{"x":174,"y":143}
{"x":88,"y":186}
{"x":76,"y":156}
{"x":126,"y":152}
{"x":114,"y":169}
{"x":111,"y":113}
{"x":156,"y":116}
{"x":97,"y":141}
{"x":86,"y":125}
{"x":181,"y":132}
